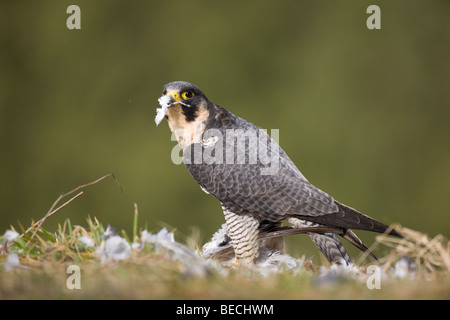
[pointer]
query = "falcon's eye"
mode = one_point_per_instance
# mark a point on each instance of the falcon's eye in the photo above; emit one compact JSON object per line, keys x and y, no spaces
{"x":187,"y":95}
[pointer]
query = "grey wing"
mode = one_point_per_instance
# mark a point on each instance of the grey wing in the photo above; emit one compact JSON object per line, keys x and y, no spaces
{"x":245,"y":188}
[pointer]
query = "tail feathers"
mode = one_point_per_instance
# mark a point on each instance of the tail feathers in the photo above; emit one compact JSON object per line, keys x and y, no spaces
{"x":331,"y":247}
{"x":349,"y":218}
{"x":321,"y":235}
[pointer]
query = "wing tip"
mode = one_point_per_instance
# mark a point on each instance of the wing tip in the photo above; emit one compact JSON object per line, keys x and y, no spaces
{"x":391,"y":231}
{"x":377,"y":226}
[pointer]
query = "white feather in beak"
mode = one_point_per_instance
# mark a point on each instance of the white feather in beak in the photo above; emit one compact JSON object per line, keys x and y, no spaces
{"x":164,"y":101}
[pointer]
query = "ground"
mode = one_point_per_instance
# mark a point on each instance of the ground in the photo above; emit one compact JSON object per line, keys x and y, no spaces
{"x":155,"y":266}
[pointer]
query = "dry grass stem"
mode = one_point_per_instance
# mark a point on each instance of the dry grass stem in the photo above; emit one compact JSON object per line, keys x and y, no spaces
{"x":52,"y":209}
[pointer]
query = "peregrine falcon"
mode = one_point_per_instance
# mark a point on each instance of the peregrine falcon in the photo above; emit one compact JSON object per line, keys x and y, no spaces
{"x":257,"y":184}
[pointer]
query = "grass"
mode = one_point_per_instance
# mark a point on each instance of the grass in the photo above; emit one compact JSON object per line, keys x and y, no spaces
{"x":150,"y":273}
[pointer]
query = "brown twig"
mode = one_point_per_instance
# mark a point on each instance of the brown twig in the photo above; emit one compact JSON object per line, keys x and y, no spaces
{"x":52,"y":209}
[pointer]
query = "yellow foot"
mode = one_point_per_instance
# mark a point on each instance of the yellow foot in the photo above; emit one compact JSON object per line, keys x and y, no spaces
{"x":242,"y":264}
{"x":236,"y":263}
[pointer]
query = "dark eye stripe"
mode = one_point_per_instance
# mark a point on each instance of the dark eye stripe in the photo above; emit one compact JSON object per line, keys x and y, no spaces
{"x":190,"y":113}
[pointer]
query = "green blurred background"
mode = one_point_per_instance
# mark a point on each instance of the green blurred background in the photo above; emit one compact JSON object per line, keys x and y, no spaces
{"x":363,"y":113}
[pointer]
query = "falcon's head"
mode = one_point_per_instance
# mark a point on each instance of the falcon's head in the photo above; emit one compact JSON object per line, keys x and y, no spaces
{"x":181,"y":100}
{"x":186,"y":108}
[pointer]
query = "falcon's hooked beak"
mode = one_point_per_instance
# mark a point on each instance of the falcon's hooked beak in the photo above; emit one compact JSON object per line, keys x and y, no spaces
{"x":166,"y":101}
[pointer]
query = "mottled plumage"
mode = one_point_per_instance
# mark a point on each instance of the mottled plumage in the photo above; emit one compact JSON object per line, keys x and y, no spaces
{"x":253,"y":193}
